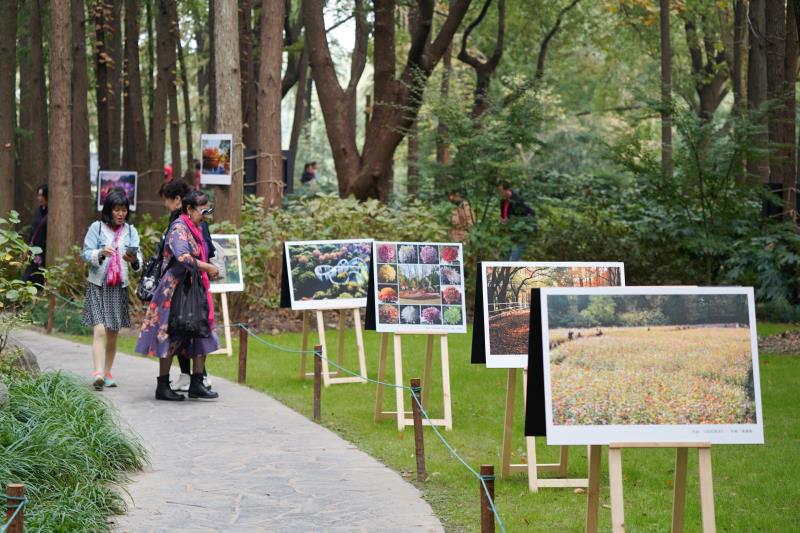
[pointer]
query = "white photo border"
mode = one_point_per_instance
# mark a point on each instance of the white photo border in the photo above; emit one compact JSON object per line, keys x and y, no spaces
{"x":100,"y":173}
{"x":229,"y":287}
{"x":216,"y":179}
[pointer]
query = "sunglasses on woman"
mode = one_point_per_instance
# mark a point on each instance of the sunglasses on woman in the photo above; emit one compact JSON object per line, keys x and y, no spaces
{"x":207,"y":211}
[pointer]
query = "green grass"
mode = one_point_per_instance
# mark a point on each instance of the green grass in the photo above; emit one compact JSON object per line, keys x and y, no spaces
{"x":774,"y":328}
{"x":753,"y":485}
{"x":64,"y":443}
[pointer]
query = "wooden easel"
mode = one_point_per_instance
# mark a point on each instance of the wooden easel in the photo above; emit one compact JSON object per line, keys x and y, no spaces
{"x":531,"y":467}
{"x":402,"y":416}
{"x":327,"y":375}
{"x":679,"y":494}
{"x":226,"y":327}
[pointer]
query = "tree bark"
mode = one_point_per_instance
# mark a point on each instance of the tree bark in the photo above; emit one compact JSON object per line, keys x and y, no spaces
{"x":412,"y":161}
{"x":484,"y":70}
{"x":103,"y":67}
{"x":135,"y":136}
{"x":666,"y":90}
{"x":789,"y":138}
{"x":212,"y":67}
{"x":174,"y":112}
{"x":60,"y":233}
{"x":8,"y":104}
{"x":227,"y":81}
{"x":269,"y":184}
{"x":151,"y":179}
{"x":397,"y":98}
{"x":442,"y":148}
{"x":758,"y":164}
{"x":775,"y":36}
{"x":81,"y":180}
{"x":739,"y":51}
{"x":187,"y":112}
{"x":151,"y":66}
{"x":115,"y":90}
{"x":248,"y":63}
{"x":32,"y":145}
{"x":299,"y":110}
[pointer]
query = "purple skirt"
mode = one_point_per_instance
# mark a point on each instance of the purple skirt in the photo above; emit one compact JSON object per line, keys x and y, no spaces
{"x":153,"y":337}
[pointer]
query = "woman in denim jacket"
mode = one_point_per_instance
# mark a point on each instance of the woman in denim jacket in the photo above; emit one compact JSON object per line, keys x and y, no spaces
{"x":111,"y":243}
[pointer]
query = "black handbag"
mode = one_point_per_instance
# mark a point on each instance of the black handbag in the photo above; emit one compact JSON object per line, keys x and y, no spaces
{"x":188,"y":312}
{"x":151,"y":273}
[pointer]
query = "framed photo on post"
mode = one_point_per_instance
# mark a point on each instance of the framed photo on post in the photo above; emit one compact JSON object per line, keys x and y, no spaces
{"x":217,"y":150}
{"x":126,"y":180}
{"x":228,"y":258}
{"x":651,"y":364}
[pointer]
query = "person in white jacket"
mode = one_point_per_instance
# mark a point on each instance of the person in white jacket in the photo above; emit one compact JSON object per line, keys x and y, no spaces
{"x":110,"y":245}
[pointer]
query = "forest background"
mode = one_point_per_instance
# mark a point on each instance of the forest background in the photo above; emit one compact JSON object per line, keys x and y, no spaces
{"x":660,"y":134}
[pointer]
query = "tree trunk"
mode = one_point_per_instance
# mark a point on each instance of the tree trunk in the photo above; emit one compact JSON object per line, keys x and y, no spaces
{"x":103,"y":66}
{"x":442,"y":148}
{"x":789,"y":139}
{"x":151,"y":179}
{"x":151,"y":66}
{"x":8,"y":103}
{"x":229,"y":104}
{"x":60,"y":233}
{"x":299,"y":111}
{"x":249,"y":69}
{"x":212,"y":67}
{"x":135,"y":136}
{"x":187,"y":112}
{"x":775,"y":36}
{"x":32,"y":115}
{"x":115,"y":90}
{"x":758,"y":164}
{"x":84,"y":209}
{"x":174,"y":114}
{"x":739,"y":51}
{"x":269,"y":185}
{"x":412,"y":161}
{"x":202,"y":75}
{"x":666,"y":91}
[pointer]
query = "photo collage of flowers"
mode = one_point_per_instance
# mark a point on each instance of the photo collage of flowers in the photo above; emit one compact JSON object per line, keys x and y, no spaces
{"x":419,"y":286}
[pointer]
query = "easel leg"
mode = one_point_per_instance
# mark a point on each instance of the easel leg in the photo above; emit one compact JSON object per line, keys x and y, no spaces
{"x":398,"y":379}
{"x":593,"y":491}
{"x":226,"y":321}
{"x":321,"y":330}
{"x":679,"y":495}
{"x":562,"y":463}
{"x":426,"y":376}
{"x":304,"y":346}
{"x":448,"y":406}
{"x":533,"y":472}
{"x":362,"y":360}
{"x":511,"y":389}
{"x":381,"y":376}
{"x":342,"y":323}
{"x":706,"y":491}
{"x":615,"y":485}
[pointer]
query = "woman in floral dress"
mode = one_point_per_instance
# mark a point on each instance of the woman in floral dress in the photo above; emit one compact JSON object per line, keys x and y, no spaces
{"x":184,"y":246}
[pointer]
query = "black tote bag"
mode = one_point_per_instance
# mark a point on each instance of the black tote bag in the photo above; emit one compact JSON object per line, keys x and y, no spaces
{"x":188,"y":312}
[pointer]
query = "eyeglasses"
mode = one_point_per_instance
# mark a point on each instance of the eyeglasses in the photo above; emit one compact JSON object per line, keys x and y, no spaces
{"x":207,"y":211}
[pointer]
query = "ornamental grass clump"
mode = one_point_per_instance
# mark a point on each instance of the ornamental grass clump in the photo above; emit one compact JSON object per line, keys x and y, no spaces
{"x":65,"y":444}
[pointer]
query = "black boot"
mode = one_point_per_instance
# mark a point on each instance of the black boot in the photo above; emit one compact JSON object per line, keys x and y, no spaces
{"x":164,"y":392}
{"x":198,"y":390}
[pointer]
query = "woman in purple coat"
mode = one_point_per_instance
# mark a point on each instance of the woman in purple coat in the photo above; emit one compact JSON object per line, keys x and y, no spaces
{"x":184,"y":245}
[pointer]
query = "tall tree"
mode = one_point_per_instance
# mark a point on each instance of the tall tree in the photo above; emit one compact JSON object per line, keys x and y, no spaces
{"x":60,"y":232}
{"x":442,"y":148}
{"x":484,"y":69}
{"x":172,"y":90}
{"x":115,"y":86}
{"x":270,"y":164}
{"x":33,"y":139}
{"x":134,"y":134}
{"x":789,"y":124}
{"x":299,"y":110}
{"x":757,"y":166}
{"x":229,"y":103}
{"x":102,"y":13}
{"x":8,"y":111}
{"x":666,"y":90}
{"x":367,"y":173}
{"x":248,"y":63}
{"x":150,"y":181}
{"x":187,"y":110}
{"x":212,"y":69}
{"x":82,"y":194}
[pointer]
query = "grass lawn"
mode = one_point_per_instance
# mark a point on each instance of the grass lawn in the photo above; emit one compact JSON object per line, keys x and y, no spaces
{"x":754,"y":486}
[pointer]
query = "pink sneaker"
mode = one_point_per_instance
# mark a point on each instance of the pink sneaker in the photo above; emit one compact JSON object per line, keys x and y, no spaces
{"x":98,"y":382}
{"x":109,"y":381}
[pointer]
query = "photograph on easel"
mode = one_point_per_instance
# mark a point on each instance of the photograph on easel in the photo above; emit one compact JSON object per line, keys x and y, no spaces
{"x":217,"y":150}
{"x":653,"y":364}
{"x":228,"y":258}
{"x":506,"y":290}
{"x":419,"y":287}
{"x":330,"y":274}
{"x":108,"y":180}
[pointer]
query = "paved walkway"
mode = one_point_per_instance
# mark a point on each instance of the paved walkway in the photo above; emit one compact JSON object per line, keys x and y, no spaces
{"x":243,"y":463}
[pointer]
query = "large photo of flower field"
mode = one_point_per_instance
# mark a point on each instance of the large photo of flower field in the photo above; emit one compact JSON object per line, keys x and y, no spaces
{"x":651,"y":360}
{"x":329,"y":274}
{"x":419,"y":286}
{"x":506,"y":296}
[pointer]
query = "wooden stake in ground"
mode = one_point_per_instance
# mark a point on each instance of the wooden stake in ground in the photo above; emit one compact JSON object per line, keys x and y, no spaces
{"x":487,"y":515}
{"x":242,"y":355}
{"x":15,"y":494}
{"x":317,"y":380}
{"x":419,"y":443}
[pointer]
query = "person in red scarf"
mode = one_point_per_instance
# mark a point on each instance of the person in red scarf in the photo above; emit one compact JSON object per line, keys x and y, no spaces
{"x":184,"y":245}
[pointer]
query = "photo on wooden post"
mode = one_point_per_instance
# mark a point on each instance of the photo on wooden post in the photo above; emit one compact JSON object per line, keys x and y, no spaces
{"x":126,"y":180}
{"x":228,"y":258}
{"x":418,"y":287}
{"x":653,"y":364}
{"x":217,"y":150}
{"x":506,"y":291}
{"x":328,"y":274}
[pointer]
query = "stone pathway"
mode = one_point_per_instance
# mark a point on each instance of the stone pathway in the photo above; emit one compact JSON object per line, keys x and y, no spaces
{"x":243,"y":463}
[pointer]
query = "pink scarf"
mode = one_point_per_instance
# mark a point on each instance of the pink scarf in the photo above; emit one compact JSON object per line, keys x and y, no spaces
{"x":204,"y":256}
{"x":114,"y":272}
